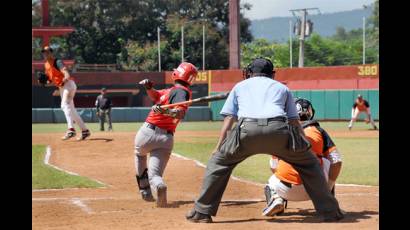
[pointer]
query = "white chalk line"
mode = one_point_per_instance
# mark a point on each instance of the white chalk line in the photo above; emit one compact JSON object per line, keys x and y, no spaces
{"x":46,"y":162}
{"x":78,"y":202}
{"x":260,"y":184}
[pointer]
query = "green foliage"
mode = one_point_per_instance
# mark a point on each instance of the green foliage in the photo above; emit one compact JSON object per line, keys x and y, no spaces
{"x":109,"y":31}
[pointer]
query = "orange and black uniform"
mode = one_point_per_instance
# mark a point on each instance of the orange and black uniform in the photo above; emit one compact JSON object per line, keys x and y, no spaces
{"x":53,"y":72}
{"x":361,"y":105}
{"x":177,"y":93}
{"x":322,"y":145}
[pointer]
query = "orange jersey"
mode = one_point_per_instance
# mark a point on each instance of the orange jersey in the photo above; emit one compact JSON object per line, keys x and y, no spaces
{"x":322,"y":145}
{"x":361,"y":105}
{"x":53,"y":73}
{"x":163,"y":98}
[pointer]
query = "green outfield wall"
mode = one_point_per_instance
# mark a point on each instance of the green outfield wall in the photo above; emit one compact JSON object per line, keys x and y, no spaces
{"x":328,"y":104}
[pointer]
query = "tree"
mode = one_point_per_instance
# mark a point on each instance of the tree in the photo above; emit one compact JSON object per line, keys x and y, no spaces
{"x":106,"y":28}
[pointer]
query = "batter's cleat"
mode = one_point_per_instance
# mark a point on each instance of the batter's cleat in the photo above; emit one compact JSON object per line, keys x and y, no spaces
{"x":161,"y":196}
{"x":147,"y":195}
{"x":84,"y":134}
{"x":375,"y":127}
{"x":69,"y":134}
{"x":198,"y":217}
{"x":275,"y":207}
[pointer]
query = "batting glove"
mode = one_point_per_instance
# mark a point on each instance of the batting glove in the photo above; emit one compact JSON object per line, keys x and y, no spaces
{"x":159,"y":109}
{"x":148,"y":84}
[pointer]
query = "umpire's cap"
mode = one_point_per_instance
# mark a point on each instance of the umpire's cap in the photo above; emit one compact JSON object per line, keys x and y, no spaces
{"x":262,"y":66}
{"x":46,"y":48}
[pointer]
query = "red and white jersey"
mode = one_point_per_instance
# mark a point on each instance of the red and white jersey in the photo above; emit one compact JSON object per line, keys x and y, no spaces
{"x":163,"y":98}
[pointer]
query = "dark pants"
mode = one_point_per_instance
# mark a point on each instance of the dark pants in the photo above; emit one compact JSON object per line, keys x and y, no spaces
{"x":103,"y":113}
{"x":271,"y":138}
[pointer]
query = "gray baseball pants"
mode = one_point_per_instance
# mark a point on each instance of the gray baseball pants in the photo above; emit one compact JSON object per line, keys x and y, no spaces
{"x":159,"y":144}
{"x":252,"y":138}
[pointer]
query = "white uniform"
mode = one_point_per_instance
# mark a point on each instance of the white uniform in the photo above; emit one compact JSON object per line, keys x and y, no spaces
{"x":296,"y":192}
{"x":67,"y":93}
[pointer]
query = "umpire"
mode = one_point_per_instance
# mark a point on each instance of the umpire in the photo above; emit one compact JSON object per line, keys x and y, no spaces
{"x":104,"y":104}
{"x":267,"y":122}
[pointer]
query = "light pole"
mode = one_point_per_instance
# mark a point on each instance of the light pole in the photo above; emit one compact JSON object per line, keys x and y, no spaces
{"x":159,"y":50}
{"x":203,"y":47}
{"x":203,"y":41}
{"x":182,"y":43}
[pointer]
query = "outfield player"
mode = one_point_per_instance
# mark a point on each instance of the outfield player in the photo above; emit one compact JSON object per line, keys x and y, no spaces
{"x":156,"y":136}
{"x":58,"y":74}
{"x":285,"y":184}
{"x":361,"y":106}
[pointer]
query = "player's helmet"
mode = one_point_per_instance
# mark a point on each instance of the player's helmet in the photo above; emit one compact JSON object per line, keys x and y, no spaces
{"x":185,"y":72}
{"x":305,"y":109}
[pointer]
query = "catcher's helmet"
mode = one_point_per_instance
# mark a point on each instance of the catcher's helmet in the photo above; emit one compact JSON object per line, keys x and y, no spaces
{"x":305,"y":109}
{"x":185,"y":72}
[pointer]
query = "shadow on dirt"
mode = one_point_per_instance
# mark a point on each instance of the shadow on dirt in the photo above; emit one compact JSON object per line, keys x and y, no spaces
{"x":233,"y":203}
{"x":176,"y":204}
{"x":309,"y":216}
{"x":306,"y":216}
{"x":101,"y":139}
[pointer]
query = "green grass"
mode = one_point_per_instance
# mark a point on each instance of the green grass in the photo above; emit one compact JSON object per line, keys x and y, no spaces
{"x":191,"y":126}
{"x":46,"y":177}
{"x":360,"y":155}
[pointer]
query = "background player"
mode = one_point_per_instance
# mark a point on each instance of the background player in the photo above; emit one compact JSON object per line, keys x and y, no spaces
{"x":156,"y":136}
{"x":58,"y":74}
{"x":361,"y":106}
{"x":104,"y":104}
{"x":285,"y":183}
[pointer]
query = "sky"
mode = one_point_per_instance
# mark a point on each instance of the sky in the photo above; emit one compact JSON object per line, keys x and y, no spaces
{"x":280,"y":8}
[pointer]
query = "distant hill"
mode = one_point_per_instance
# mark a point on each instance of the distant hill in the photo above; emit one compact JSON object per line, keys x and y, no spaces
{"x":277,"y":28}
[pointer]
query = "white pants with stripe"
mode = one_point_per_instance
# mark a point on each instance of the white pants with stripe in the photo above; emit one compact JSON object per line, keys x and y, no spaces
{"x":67,"y":93}
{"x":296,"y":192}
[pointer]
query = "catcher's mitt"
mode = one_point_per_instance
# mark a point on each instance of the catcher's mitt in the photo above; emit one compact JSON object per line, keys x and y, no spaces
{"x":42,"y":78}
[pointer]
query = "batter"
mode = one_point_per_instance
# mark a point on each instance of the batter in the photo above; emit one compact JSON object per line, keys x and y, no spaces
{"x":156,"y":136}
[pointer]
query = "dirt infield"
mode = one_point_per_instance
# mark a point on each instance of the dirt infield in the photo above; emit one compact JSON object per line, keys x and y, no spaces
{"x":108,"y":157}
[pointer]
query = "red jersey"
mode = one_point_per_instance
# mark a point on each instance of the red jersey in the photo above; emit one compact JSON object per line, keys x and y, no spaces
{"x":163,"y":98}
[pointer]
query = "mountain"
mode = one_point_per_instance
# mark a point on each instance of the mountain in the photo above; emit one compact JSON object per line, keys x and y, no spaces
{"x":277,"y":28}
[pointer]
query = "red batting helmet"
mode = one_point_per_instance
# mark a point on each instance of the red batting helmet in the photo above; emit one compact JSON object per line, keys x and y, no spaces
{"x":185,"y":72}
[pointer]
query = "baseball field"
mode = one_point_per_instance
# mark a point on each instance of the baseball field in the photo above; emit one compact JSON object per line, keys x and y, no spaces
{"x":102,"y":193}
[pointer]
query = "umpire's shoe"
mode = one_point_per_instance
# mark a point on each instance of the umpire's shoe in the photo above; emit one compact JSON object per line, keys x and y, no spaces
{"x":161,"y":196}
{"x":334,"y":217}
{"x":198,"y":217}
{"x":84,"y":134}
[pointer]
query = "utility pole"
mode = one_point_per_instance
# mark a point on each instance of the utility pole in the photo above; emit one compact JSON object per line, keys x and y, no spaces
{"x":290,"y":43}
{"x":303,"y":33}
{"x":159,"y":50}
{"x":364,"y":40}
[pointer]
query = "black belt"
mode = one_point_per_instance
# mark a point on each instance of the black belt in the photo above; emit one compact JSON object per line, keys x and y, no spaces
{"x":289,"y":185}
{"x":268,"y":119}
{"x":151,"y":126}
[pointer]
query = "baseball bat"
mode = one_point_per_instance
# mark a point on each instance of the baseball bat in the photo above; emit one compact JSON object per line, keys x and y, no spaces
{"x":200,"y":99}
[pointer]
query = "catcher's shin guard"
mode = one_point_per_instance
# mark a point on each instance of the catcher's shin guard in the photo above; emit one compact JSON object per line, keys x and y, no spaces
{"x":144,"y":187}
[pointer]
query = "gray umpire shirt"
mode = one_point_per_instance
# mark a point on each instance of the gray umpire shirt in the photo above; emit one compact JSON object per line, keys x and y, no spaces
{"x":103,"y":102}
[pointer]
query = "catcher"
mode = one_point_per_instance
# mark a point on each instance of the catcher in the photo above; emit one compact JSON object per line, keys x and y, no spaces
{"x":361,"y":106}
{"x":285,"y":184}
{"x":156,"y":135}
{"x":57,"y":73}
